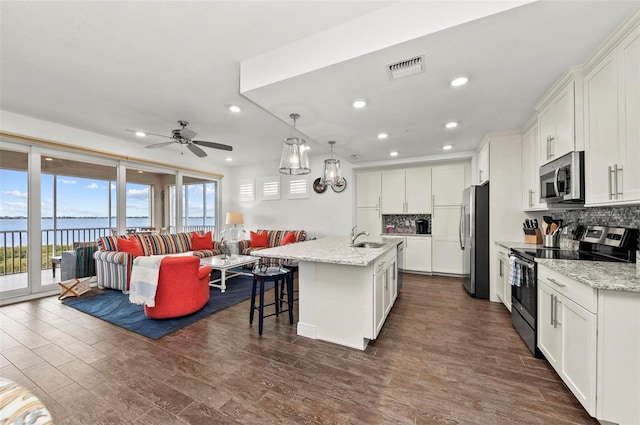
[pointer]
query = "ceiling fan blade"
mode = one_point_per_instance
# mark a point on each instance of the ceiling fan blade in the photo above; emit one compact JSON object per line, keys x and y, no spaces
{"x":196,"y":150}
{"x":159,"y":145}
{"x":149,"y":134}
{"x":213,"y":145}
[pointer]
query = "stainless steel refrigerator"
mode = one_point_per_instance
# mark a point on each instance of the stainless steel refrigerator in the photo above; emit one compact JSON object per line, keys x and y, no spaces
{"x":474,"y":240}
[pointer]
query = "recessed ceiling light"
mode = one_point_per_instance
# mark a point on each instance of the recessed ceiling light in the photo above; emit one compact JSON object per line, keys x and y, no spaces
{"x":394,"y":153}
{"x":235,"y":108}
{"x":383,"y":136}
{"x":307,"y":147}
{"x":140,"y":133}
{"x":140,"y":171}
{"x":451,"y":124}
{"x":228,"y":159}
{"x":447,"y":147}
{"x":358,"y":104}
{"x":48,"y":159}
{"x":459,"y":81}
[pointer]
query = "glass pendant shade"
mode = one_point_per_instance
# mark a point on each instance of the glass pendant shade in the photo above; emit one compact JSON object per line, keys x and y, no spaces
{"x":332,"y":173}
{"x":294,"y":158}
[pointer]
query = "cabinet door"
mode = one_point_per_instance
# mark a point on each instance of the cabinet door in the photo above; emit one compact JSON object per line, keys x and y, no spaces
{"x":501,"y":272}
{"x":368,"y":189}
{"x":447,"y":184}
{"x":393,"y":191}
{"x":578,"y":329}
{"x":418,"y":190}
{"x":629,"y":90}
{"x":563,"y":141}
{"x":447,"y":256}
{"x":548,"y":334}
{"x":369,"y":220}
{"x":483,"y":164}
{"x":379,"y":282}
{"x":417,"y":254}
{"x":547,"y":129}
{"x":507,"y":289}
{"x":601,"y":94}
{"x":530,"y":171}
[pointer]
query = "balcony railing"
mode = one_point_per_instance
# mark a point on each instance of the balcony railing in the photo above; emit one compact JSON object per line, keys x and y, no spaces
{"x":13,"y":248}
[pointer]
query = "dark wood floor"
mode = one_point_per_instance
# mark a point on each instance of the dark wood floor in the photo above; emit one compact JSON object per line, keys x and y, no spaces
{"x":442,"y":357}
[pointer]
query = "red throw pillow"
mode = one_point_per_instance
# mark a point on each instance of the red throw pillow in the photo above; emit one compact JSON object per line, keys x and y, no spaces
{"x":199,"y":241}
{"x":258,"y":240}
{"x":288,"y":238}
{"x":131,"y":246}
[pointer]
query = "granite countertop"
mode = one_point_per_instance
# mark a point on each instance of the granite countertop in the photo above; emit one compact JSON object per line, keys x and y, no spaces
{"x":401,"y":235}
{"x":596,"y":274}
{"x":335,"y":250}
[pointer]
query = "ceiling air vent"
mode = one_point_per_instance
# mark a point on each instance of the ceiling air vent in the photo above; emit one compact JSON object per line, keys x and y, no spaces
{"x":406,"y":67}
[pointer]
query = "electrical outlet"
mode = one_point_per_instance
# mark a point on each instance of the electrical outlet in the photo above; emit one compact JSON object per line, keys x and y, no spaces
{"x":565,"y":230}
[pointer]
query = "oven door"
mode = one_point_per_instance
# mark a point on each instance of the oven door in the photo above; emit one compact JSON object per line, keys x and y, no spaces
{"x":523,"y":296}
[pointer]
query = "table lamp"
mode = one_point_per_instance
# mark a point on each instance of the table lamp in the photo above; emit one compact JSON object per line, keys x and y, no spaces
{"x":237,"y":220}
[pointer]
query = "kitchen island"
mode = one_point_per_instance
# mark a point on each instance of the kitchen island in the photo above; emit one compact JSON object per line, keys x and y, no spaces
{"x":345,"y":293}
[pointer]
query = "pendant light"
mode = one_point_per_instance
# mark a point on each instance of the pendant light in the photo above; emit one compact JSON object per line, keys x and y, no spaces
{"x":332,"y":173}
{"x":294,"y":159}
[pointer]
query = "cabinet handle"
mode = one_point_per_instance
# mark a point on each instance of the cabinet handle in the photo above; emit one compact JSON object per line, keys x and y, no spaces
{"x":500,"y":273}
{"x":548,"y":138}
{"x":609,"y":175}
{"x":530,"y":198}
{"x":615,"y":175}
{"x":379,"y":202}
{"x":433,"y":200}
{"x":552,"y":306}
{"x":551,"y":139}
{"x":552,"y":280}
{"x":555,"y":311}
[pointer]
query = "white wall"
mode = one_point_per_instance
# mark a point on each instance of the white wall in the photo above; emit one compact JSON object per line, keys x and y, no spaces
{"x":325,"y":214}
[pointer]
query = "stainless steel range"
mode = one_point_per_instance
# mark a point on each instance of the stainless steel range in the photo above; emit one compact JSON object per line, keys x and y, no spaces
{"x":597,"y":243}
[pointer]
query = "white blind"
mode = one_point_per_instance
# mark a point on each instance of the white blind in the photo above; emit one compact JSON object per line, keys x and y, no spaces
{"x":271,"y":188}
{"x":298,"y":188}
{"x":246,"y":190}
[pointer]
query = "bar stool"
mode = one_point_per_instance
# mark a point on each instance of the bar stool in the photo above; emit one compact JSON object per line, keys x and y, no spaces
{"x":292,"y":266}
{"x":280,"y":277}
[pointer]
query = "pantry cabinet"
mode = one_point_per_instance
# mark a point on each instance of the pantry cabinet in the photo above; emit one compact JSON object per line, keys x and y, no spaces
{"x":556,"y":123}
{"x":446,"y":251}
{"x":406,"y":191}
{"x":448,"y":182}
{"x":612,"y":99}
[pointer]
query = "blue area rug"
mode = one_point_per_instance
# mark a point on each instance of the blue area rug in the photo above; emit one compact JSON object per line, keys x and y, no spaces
{"x":114,"y":307}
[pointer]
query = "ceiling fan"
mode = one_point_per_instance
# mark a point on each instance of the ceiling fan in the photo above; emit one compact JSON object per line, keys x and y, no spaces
{"x":184,"y":136}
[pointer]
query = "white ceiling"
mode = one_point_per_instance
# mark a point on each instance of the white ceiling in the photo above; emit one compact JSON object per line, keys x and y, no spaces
{"x":109,"y":66}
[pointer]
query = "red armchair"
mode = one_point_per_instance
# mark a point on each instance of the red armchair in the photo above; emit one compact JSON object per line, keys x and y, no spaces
{"x":183,"y":288}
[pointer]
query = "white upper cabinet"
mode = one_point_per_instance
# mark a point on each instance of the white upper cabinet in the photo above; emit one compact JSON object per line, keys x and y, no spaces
{"x":556,"y":123}
{"x":448,"y":182}
{"x":483,"y":164}
{"x":368,"y":189}
{"x":406,"y":191}
{"x":612,"y":122}
{"x":531,"y":171}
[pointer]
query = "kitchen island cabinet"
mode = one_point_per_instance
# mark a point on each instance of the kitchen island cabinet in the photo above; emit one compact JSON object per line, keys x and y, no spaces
{"x":345,"y":293}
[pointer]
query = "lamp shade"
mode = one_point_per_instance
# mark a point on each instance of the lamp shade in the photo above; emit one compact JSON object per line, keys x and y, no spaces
{"x":235,"y":218}
{"x":294,"y":159}
{"x":332,"y":172}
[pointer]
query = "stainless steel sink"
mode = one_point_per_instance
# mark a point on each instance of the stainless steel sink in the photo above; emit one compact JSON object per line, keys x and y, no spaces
{"x":368,"y":245}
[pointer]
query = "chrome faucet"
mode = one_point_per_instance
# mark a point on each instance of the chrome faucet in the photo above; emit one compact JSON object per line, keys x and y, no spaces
{"x":355,"y":236}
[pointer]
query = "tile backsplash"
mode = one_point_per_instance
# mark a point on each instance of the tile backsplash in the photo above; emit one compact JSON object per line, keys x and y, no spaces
{"x":404,"y":223}
{"x":604,"y":216}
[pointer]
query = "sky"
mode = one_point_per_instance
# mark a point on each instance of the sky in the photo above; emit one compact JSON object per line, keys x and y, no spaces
{"x":82,"y":197}
{"x":77,"y":197}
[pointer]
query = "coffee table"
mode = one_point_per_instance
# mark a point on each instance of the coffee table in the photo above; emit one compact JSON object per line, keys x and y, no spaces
{"x":222,"y":263}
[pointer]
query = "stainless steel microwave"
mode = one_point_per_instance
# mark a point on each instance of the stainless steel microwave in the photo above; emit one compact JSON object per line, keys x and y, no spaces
{"x":562,"y":180}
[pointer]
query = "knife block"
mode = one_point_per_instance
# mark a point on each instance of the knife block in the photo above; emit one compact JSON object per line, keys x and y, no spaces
{"x":533,"y":236}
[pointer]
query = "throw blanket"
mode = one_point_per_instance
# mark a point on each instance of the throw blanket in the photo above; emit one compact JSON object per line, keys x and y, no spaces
{"x":144,"y":280}
{"x":515,"y":277}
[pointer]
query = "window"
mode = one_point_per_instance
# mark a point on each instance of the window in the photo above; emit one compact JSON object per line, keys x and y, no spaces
{"x":246,"y":190}
{"x":270,"y":188}
{"x":298,"y":188}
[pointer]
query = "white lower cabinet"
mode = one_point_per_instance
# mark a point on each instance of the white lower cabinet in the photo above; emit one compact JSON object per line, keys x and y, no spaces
{"x":446,"y":252}
{"x":385,"y":289}
{"x":417,"y":254}
{"x":503,"y":286}
{"x":567,"y":331}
